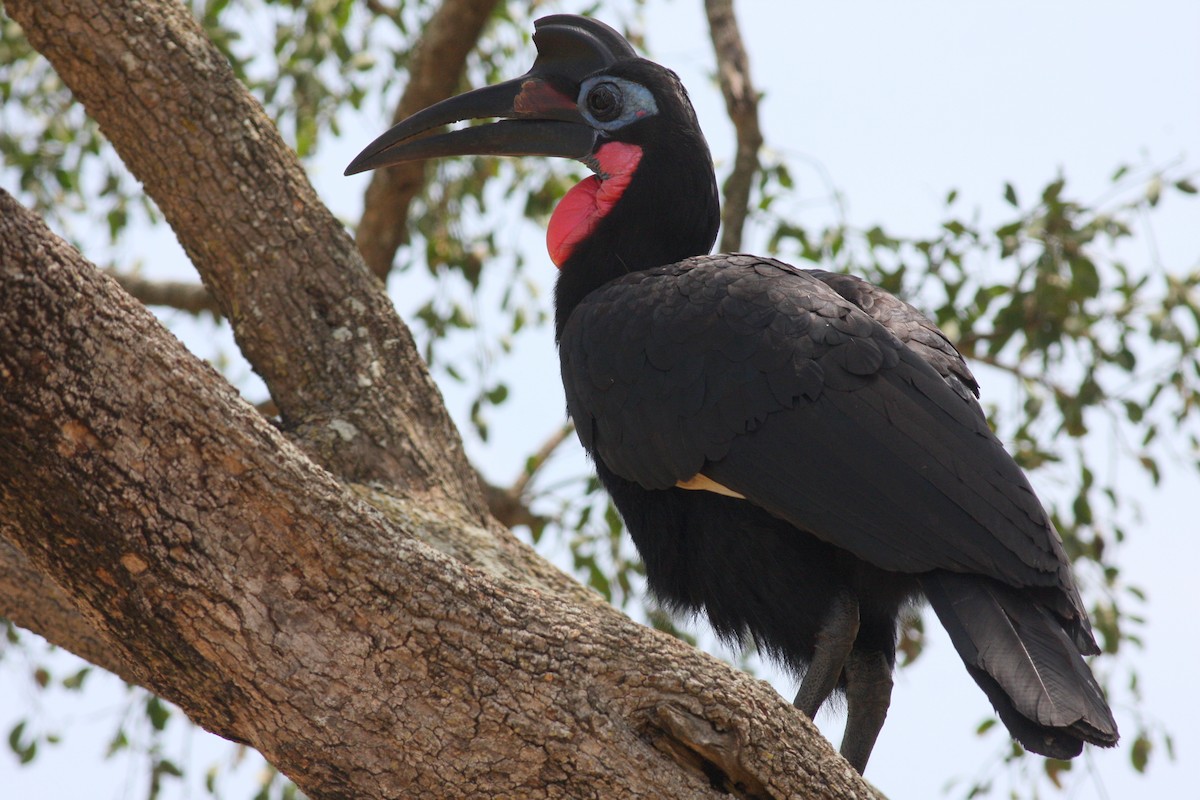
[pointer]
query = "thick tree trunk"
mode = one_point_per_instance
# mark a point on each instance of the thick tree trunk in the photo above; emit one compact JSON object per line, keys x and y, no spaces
{"x":307,"y":314}
{"x":156,"y":524}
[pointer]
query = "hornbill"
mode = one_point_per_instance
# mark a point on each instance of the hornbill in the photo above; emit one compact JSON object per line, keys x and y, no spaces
{"x":796,"y":453}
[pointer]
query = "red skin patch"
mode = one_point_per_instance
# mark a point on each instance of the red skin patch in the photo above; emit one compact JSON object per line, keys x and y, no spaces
{"x":580,"y":211}
{"x":537,"y":96}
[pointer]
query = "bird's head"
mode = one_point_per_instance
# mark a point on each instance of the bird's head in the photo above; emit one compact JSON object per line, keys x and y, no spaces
{"x":588,"y":97}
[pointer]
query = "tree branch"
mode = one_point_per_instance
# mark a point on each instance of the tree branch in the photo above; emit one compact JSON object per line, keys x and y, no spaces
{"x":32,"y":601}
{"x":309,"y":317}
{"x":506,"y":505}
{"x":539,"y":459}
{"x":243,"y":583}
{"x":435,"y":72}
{"x":509,"y":504}
{"x":191,"y":298}
{"x":510,"y":509}
{"x":741,"y":101}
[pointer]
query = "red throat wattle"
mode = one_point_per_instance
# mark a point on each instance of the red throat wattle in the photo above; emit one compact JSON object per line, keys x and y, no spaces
{"x":581,"y":209}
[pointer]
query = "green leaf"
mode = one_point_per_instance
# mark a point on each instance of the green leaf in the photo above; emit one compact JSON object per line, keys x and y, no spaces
{"x":1082,"y":509}
{"x":1052,"y":191}
{"x":1054,"y":768}
{"x":75,"y":682}
{"x":1151,"y":466}
{"x":158,"y":713}
{"x":498,"y":394}
{"x":1010,"y":194}
{"x":118,"y":743}
{"x":1139,"y":753}
{"x":955,"y":227}
{"x":25,"y":751}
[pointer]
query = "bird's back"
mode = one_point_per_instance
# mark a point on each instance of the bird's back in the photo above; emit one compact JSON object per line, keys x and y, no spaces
{"x":843,"y":429}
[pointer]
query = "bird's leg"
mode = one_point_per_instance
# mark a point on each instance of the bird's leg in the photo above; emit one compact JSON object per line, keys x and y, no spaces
{"x":868,"y":695}
{"x":834,"y":642}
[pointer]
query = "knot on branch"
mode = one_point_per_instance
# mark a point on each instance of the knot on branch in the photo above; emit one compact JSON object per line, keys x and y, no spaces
{"x":696,"y":743}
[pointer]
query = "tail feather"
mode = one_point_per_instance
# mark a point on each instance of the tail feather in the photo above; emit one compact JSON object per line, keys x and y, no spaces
{"x":1021,"y":656}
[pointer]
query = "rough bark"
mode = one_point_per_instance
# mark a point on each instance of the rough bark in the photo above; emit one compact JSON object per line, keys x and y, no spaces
{"x":241,"y":581}
{"x":31,"y":600}
{"x":310,"y":318}
{"x":435,"y":71}
{"x":741,"y":102}
{"x":159,"y":525}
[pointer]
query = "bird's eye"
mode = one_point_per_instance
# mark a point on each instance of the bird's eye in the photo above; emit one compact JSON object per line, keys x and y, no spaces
{"x":610,"y":103}
{"x":604,"y":101}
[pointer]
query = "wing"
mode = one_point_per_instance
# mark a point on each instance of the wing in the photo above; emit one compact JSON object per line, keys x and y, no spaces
{"x":762,"y":378}
{"x":908,"y":325}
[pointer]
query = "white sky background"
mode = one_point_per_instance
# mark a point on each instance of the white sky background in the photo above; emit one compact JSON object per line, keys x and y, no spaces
{"x":898,"y":103}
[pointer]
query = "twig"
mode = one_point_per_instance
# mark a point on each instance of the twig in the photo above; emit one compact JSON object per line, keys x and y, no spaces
{"x":509,"y":505}
{"x":540,"y":458}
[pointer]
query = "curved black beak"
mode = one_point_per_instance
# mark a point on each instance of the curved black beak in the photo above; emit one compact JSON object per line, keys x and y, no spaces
{"x":538,"y":109}
{"x":539,"y":121}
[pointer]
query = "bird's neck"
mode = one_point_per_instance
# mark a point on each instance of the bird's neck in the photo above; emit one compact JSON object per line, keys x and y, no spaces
{"x":662,"y":210}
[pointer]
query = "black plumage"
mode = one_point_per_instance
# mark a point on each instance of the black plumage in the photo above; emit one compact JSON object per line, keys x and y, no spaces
{"x":797,"y":454}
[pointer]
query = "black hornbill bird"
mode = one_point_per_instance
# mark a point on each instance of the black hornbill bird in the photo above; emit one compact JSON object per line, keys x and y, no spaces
{"x":799,"y":454}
